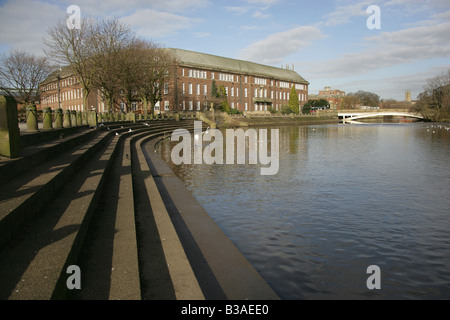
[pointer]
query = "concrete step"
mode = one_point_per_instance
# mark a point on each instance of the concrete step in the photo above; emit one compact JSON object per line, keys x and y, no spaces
{"x":166,"y":272}
{"x":34,"y":262}
{"x":23,"y":197}
{"x":109,"y":258}
{"x":34,"y":155}
{"x":222,"y":272}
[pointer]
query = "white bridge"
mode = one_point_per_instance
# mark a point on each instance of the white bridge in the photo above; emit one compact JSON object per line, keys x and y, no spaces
{"x":352,"y":116}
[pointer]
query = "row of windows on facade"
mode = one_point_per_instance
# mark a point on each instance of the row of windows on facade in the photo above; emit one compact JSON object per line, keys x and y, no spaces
{"x":63,"y":83}
{"x":192,"y":74}
{"x":189,"y":106}
{"x":233,"y":78}
{"x":65,"y":96}
{"x":259,"y":93}
{"x":234,"y":92}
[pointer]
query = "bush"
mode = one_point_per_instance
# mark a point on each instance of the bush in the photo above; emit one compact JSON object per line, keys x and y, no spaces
{"x":286,"y":110}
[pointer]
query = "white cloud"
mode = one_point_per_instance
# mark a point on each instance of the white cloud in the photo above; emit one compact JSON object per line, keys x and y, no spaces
{"x":155,"y":24}
{"x":265,"y":3}
{"x":237,"y":10}
{"x":276,"y":47}
{"x":394,"y":87}
{"x":24,"y":23}
{"x":260,"y":15}
{"x":345,"y":12}
{"x":120,"y":8}
{"x":410,"y":7}
{"x":202,"y":34}
{"x":389,"y":49}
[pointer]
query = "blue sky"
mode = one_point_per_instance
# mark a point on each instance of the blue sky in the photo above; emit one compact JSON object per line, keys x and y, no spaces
{"x":327,"y":41}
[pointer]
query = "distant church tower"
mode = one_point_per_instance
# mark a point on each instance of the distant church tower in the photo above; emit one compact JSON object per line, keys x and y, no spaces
{"x":408,"y":96}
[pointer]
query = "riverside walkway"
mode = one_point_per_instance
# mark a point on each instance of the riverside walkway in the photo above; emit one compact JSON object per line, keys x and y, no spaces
{"x":101,"y":199}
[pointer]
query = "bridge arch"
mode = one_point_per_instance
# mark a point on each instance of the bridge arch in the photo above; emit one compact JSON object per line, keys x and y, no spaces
{"x":358,"y":116}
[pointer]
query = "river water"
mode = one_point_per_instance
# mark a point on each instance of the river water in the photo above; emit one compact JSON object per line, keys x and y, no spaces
{"x":346,"y":197}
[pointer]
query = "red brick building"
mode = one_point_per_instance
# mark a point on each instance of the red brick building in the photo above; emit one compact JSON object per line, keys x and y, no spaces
{"x":250,"y":87}
{"x":62,"y":89}
{"x":334,"y":97}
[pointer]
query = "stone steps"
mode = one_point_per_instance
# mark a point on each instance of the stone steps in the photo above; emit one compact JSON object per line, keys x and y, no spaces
{"x":41,"y":243}
{"x":99,"y":205}
{"x":111,"y":249}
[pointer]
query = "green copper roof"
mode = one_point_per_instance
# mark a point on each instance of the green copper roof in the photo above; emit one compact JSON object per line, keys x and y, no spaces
{"x":207,"y":61}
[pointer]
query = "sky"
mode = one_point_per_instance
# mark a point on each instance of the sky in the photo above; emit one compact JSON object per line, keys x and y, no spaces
{"x":328,"y":42}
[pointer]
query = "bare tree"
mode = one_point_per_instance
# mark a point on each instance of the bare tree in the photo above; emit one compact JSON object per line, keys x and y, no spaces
{"x":21,"y":73}
{"x":438,"y":91}
{"x":434,"y":102}
{"x":131,"y":76}
{"x":74,"y":48}
{"x":111,"y":40}
{"x":156,"y":67}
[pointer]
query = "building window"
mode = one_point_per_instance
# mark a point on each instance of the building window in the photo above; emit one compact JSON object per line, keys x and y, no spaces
{"x":197,"y":74}
{"x":198,"y":105}
{"x":246,"y":92}
{"x":226,"y":77}
{"x":284,"y":85}
{"x":198,"y":90}
{"x":166,"y":105}
{"x":166,"y":88}
{"x":191,"y":105}
{"x":205,"y":89}
{"x":184,"y":88}
{"x":260,"y":81}
{"x":190,"y":88}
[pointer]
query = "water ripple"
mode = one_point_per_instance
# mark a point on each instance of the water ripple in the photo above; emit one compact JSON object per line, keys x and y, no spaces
{"x":345,"y":198}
